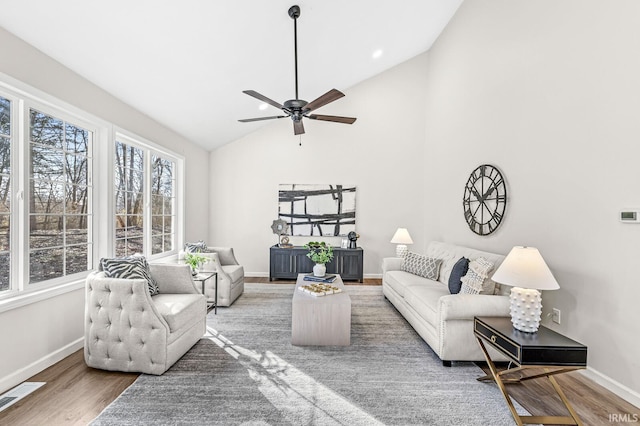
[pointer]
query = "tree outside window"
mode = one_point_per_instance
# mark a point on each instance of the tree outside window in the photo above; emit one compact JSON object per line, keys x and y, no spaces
{"x":59,"y":194}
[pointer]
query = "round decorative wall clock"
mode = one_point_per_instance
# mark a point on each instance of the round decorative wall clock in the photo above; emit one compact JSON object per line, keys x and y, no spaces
{"x":485,"y":199}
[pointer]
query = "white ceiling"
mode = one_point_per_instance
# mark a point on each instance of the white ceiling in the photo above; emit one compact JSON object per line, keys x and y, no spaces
{"x":185,"y":63}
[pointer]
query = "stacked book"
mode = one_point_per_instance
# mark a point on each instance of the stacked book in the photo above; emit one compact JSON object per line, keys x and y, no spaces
{"x":319,"y":289}
{"x":325,"y":279}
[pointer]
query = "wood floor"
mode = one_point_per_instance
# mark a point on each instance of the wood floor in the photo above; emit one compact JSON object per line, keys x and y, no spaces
{"x":75,"y":394}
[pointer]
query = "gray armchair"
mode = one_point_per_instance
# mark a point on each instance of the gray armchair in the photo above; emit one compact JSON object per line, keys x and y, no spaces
{"x":126,"y":329}
{"x":230,"y":275}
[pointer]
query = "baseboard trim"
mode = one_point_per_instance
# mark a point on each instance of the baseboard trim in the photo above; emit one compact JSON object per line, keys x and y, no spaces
{"x":34,"y":368}
{"x":629,"y":395}
{"x":256,"y":274}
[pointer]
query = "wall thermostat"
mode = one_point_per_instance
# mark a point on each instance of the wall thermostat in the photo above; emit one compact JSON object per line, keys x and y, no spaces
{"x":630,"y":216}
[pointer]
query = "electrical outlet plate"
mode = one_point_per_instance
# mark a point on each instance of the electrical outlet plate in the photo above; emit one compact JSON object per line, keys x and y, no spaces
{"x":556,"y":316}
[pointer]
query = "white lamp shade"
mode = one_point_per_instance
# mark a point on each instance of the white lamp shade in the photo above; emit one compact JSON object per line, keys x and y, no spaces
{"x":524,"y":267}
{"x":401,"y":237}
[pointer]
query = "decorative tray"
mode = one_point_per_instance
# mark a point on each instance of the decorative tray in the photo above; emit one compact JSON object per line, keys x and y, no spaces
{"x":318,"y":289}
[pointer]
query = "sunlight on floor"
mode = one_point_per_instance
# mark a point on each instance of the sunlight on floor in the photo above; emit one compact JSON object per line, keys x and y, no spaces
{"x":300,"y":398}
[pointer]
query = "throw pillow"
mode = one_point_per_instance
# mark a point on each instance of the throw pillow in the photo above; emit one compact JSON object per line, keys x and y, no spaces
{"x":475,"y":281}
{"x":458,"y":271}
{"x":130,"y":268}
{"x":423,"y":266}
{"x":197,"y":247}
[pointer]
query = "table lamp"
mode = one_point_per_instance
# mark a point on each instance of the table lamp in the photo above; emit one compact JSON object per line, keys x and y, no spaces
{"x":401,"y":238}
{"x":524,"y":269}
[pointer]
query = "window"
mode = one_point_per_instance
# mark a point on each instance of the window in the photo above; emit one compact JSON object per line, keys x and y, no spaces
{"x":162,"y":204}
{"x":129,"y":199}
{"x":5,"y":193}
{"x":59,"y":192}
{"x":141,"y":229}
{"x":59,"y":198}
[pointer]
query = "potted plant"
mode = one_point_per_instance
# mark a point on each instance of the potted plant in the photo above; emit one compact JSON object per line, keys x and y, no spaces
{"x":321,"y":254}
{"x":195,"y":260}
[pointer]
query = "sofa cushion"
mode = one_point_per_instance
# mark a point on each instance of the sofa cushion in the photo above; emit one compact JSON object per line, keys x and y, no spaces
{"x":235,"y":272}
{"x":427,"y":267}
{"x":475,"y":281}
{"x":179,"y":310}
{"x":459,"y":270}
{"x":425,"y":299}
{"x":400,"y":280}
{"x":130,"y":268}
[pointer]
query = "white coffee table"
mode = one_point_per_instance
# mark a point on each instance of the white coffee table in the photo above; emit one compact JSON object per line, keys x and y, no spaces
{"x":323,"y":320}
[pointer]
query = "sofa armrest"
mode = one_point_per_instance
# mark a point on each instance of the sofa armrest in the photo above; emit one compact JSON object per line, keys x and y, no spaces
{"x":123,"y":329}
{"x":391,"y":264}
{"x":173,"y":279}
{"x":216,"y":266}
{"x":467,"y":306}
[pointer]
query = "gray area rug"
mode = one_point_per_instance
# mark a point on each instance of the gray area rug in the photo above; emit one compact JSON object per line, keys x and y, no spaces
{"x":246,"y":372}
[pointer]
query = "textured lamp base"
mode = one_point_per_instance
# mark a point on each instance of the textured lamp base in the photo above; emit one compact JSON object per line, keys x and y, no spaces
{"x":401,"y":250}
{"x":526,"y":309}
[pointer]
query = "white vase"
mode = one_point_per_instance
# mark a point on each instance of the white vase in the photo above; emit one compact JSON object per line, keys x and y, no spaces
{"x":319,"y":270}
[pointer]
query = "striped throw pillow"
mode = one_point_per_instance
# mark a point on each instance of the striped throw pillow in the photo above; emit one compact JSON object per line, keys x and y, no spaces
{"x":133,"y":267}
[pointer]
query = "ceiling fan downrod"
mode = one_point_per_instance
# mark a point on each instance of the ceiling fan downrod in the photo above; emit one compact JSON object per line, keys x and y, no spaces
{"x":294,"y":13}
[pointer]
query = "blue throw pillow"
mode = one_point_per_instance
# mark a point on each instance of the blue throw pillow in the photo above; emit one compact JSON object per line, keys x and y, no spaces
{"x":459,"y":270}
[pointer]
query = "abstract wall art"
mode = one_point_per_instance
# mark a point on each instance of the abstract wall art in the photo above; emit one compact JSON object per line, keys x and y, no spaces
{"x":319,"y":210}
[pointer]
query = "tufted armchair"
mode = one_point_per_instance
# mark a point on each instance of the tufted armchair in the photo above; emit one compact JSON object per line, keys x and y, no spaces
{"x":230,"y":275}
{"x":126,"y":329}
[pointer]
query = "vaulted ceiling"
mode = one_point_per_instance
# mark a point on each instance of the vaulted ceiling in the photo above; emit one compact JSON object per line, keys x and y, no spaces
{"x":186,"y":63}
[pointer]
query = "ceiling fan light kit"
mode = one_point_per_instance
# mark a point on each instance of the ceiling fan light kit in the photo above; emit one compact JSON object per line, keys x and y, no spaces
{"x":297,"y":108}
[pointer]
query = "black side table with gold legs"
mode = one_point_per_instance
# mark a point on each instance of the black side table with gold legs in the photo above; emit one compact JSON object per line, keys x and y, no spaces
{"x":545,"y":350}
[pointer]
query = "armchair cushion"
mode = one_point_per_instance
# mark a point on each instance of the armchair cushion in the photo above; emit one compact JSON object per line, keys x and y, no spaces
{"x":196,"y":247}
{"x":178,"y":310}
{"x":130,"y":268}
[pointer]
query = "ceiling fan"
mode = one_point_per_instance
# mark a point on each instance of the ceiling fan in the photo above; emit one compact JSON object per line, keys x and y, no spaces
{"x":298,"y":108}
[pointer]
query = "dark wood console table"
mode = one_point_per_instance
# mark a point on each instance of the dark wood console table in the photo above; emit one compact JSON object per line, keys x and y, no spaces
{"x":287,"y":263}
{"x":546,"y":350}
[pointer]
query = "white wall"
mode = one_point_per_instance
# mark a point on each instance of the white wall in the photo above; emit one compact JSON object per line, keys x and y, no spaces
{"x":36,"y":335}
{"x":382,"y":153}
{"x":549,"y":92}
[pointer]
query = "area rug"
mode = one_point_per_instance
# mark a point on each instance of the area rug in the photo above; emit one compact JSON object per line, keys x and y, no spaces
{"x":246,"y":372}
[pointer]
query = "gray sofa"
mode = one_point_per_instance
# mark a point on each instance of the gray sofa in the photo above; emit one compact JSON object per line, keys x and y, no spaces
{"x":126,"y":329}
{"x":444,"y":320}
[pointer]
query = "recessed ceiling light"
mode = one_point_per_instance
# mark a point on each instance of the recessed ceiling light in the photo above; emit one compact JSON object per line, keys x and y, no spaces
{"x":262,"y":107}
{"x":376,"y":54}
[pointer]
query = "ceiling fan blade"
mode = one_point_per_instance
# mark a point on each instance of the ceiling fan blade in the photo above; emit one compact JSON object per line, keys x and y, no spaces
{"x":262,"y":98}
{"x":248,"y":120}
{"x":328,"y":97}
{"x":298,"y":127}
{"x":334,"y":118}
